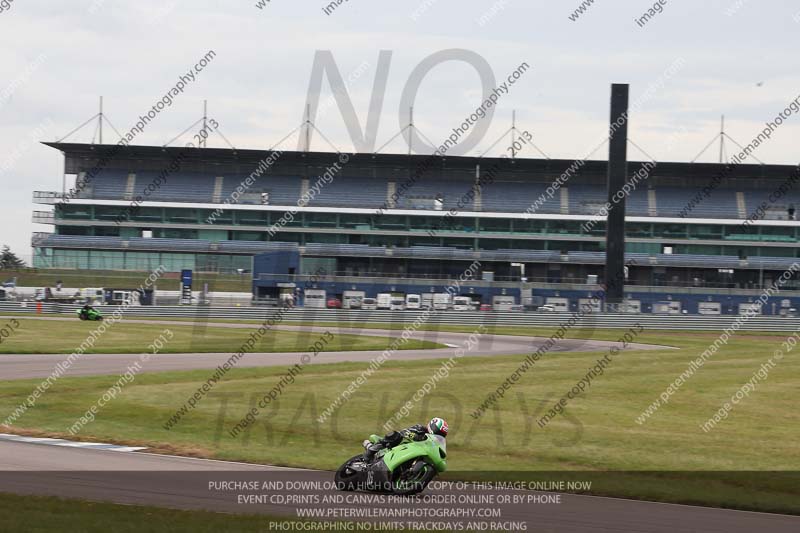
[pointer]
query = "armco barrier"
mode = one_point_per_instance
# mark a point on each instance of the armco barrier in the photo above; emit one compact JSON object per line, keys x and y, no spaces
{"x":459,"y":318}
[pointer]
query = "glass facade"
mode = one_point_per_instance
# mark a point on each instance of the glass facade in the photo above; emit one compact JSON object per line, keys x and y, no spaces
{"x":425,"y":230}
{"x":113,"y":260}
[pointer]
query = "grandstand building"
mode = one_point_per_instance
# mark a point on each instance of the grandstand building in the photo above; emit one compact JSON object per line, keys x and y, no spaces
{"x":406,"y":222}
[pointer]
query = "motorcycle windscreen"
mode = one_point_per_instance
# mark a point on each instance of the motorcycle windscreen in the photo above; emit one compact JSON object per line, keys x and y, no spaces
{"x":442,"y":442}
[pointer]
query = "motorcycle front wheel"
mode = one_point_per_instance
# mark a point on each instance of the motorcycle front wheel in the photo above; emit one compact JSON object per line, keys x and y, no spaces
{"x":346,"y":477}
{"x":412,"y":477}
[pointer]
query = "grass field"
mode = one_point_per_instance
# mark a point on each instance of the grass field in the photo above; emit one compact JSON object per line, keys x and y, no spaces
{"x":25,"y":514}
{"x":36,"y":336}
{"x":598,"y":431}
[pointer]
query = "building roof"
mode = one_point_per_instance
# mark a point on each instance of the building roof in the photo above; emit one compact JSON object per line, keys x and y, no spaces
{"x":80,"y":156}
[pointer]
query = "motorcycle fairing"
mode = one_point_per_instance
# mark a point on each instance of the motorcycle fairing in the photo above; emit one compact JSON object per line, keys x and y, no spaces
{"x":429,"y":448}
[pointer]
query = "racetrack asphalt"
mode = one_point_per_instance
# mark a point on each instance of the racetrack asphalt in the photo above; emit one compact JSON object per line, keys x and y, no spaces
{"x":184,"y":483}
{"x":25,"y":366}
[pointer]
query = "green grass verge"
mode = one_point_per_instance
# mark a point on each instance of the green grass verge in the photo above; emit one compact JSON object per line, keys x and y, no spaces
{"x":586,"y":332}
{"x":38,"y":336}
{"x":597,"y":433}
{"x":403,"y":320}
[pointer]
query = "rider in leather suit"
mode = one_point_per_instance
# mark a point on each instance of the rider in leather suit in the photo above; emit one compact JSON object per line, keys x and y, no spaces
{"x":417,"y":432}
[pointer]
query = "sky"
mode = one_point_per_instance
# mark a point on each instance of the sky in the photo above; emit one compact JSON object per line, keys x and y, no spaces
{"x":687,"y":64}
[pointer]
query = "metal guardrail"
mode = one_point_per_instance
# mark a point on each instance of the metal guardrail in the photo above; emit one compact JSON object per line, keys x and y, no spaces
{"x":455,"y":318}
{"x":47,"y":197}
{"x":43,"y":217}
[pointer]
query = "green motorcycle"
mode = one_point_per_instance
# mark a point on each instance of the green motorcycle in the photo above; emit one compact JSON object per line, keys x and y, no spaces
{"x":89,"y":314}
{"x":404,"y":470}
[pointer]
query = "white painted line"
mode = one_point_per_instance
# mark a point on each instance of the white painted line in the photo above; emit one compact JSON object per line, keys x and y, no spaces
{"x":70,"y":443}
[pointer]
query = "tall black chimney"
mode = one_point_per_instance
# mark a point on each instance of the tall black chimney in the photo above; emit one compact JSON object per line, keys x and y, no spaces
{"x":617,"y":177}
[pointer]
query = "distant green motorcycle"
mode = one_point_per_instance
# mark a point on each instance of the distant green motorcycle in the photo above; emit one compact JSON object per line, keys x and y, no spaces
{"x":89,"y":314}
{"x":404,"y":470}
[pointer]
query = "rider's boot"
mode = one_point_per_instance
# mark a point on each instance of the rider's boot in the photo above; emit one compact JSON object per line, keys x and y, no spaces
{"x":371,"y":450}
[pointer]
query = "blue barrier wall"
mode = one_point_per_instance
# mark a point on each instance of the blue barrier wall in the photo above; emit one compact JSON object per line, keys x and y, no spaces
{"x":282,"y":261}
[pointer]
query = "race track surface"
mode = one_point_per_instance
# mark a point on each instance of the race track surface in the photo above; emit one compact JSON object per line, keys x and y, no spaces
{"x":183,"y":483}
{"x":25,"y":366}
